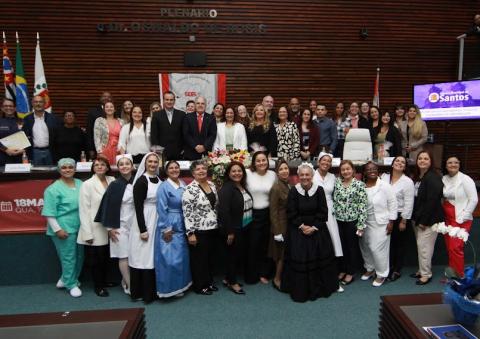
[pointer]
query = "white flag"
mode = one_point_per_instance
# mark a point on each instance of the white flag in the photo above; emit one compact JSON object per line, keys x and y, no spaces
{"x":41,"y":87}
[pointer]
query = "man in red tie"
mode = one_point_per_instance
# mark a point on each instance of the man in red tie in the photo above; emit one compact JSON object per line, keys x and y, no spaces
{"x":199,"y":131}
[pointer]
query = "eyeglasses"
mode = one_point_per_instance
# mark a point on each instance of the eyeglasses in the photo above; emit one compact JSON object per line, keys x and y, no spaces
{"x":66,"y":167}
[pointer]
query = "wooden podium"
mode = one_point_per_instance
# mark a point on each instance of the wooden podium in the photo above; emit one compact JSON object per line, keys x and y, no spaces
{"x":117,"y":323}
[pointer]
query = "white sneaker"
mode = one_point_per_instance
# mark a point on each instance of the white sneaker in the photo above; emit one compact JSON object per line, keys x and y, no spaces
{"x":60,"y":283}
{"x":340,"y":289}
{"x":76,"y":292}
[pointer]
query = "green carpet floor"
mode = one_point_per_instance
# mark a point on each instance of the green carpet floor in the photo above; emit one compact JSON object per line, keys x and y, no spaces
{"x":261,"y":313}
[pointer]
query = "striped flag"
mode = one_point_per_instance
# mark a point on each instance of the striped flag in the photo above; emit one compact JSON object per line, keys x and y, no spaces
{"x":376,"y":92}
{"x":23,"y":104}
{"x":41,"y":87}
{"x":8,"y":77}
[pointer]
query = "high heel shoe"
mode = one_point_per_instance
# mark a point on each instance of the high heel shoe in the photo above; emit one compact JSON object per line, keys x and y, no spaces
{"x":275,"y":286}
{"x":347,"y":282}
{"x":213,"y":288}
{"x":205,"y":291}
{"x":367,"y":275}
{"x":421,"y":283}
{"x":239,"y":291}
{"x":101,"y":292}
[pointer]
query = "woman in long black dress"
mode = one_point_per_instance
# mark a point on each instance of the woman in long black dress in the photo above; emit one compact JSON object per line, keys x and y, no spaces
{"x":310,"y":271}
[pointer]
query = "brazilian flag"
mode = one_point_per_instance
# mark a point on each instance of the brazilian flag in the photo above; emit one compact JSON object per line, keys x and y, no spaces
{"x":23,"y":104}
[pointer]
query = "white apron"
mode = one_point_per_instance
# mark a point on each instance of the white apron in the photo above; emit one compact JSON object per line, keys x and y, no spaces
{"x":119,"y":249}
{"x":328,"y":184}
{"x":141,"y":252}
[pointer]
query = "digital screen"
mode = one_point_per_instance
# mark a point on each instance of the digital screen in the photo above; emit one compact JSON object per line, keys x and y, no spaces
{"x":448,"y":100}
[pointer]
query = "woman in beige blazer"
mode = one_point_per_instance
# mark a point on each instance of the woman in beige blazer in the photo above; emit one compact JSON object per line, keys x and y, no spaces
{"x":92,"y":234}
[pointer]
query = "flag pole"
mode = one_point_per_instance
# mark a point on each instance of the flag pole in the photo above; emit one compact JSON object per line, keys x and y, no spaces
{"x":4,"y":38}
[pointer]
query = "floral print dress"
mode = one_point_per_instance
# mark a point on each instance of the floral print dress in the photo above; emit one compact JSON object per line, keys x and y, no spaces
{"x":288,"y":141}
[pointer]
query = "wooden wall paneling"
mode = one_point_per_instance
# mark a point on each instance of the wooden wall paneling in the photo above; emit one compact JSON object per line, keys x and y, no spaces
{"x":309,"y":50}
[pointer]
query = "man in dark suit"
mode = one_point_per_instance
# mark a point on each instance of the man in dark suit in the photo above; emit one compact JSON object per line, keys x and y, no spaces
{"x":40,"y":127}
{"x":199,"y":131}
{"x":167,"y":128}
{"x":93,"y":114}
{"x":267,"y":103}
{"x":475,"y":28}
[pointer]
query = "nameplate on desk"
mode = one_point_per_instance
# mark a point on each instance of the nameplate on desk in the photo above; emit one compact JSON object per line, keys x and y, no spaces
{"x":17,"y":168}
{"x":336,"y":162}
{"x":84,"y":166}
{"x":184,"y":164}
{"x":387,"y":161}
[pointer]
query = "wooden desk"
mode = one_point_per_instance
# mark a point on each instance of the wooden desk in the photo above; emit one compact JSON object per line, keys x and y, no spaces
{"x":403,"y":316}
{"x":116,"y":323}
{"x":394,"y":323}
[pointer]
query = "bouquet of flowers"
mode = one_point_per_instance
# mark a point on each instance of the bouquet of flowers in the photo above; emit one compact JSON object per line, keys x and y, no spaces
{"x":453,"y":231}
{"x":220,"y":159}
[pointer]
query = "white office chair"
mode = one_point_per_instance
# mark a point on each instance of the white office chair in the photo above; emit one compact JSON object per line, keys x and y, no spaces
{"x":358,"y":146}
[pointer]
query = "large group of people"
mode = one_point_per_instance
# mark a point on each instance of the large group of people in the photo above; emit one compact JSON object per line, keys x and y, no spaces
{"x":291,"y":132}
{"x":308,"y":238}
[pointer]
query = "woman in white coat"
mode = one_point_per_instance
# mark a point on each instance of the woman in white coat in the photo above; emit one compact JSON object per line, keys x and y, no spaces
{"x":92,"y":234}
{"x":230,"y":133}
{"x":375,"y":238}
{"x":404,"y":191}
{"x":142,"y":232}
{"x":327,"y":180}
{"x":460,"y":199}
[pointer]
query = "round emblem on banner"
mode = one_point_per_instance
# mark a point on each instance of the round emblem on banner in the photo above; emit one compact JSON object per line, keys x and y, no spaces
{"x":433,"y":97}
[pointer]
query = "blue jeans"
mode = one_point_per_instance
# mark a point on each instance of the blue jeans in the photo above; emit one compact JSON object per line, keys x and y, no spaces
{"x":41,"y":157}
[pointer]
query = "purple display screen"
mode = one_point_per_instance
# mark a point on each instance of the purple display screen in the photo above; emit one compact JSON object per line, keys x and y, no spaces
{"x":448,"y":100}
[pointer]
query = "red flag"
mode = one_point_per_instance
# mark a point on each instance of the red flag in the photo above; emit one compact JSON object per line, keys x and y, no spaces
{"x":376,"y":92}
{"x":8,"y":76}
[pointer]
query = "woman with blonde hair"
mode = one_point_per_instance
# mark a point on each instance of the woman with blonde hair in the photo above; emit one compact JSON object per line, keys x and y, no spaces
{"x":414,"y":133}
{"x":261,"y":134}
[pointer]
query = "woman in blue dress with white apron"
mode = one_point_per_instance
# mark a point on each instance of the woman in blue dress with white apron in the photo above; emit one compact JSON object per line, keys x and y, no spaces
{"x":172,"y":264}
{"x":142,"y":233}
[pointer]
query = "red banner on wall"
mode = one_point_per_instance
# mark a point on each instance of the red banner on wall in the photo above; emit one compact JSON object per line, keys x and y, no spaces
{"x":21,"y":204}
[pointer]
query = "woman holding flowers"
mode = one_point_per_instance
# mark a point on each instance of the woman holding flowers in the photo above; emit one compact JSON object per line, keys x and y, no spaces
{"x":460,"y":199}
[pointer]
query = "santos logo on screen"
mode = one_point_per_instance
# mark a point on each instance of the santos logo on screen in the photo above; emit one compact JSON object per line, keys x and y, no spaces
{"x":448,"y":97}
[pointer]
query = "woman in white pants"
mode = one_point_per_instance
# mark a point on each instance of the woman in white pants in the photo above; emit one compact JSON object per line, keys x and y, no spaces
{"x":381,"y":212}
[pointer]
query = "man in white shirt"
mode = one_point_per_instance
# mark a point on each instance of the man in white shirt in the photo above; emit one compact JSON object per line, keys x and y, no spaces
{"x":39,"y":128}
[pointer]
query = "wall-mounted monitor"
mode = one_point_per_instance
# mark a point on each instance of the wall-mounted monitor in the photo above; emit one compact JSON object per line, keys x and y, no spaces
{"x":449,"y":100}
